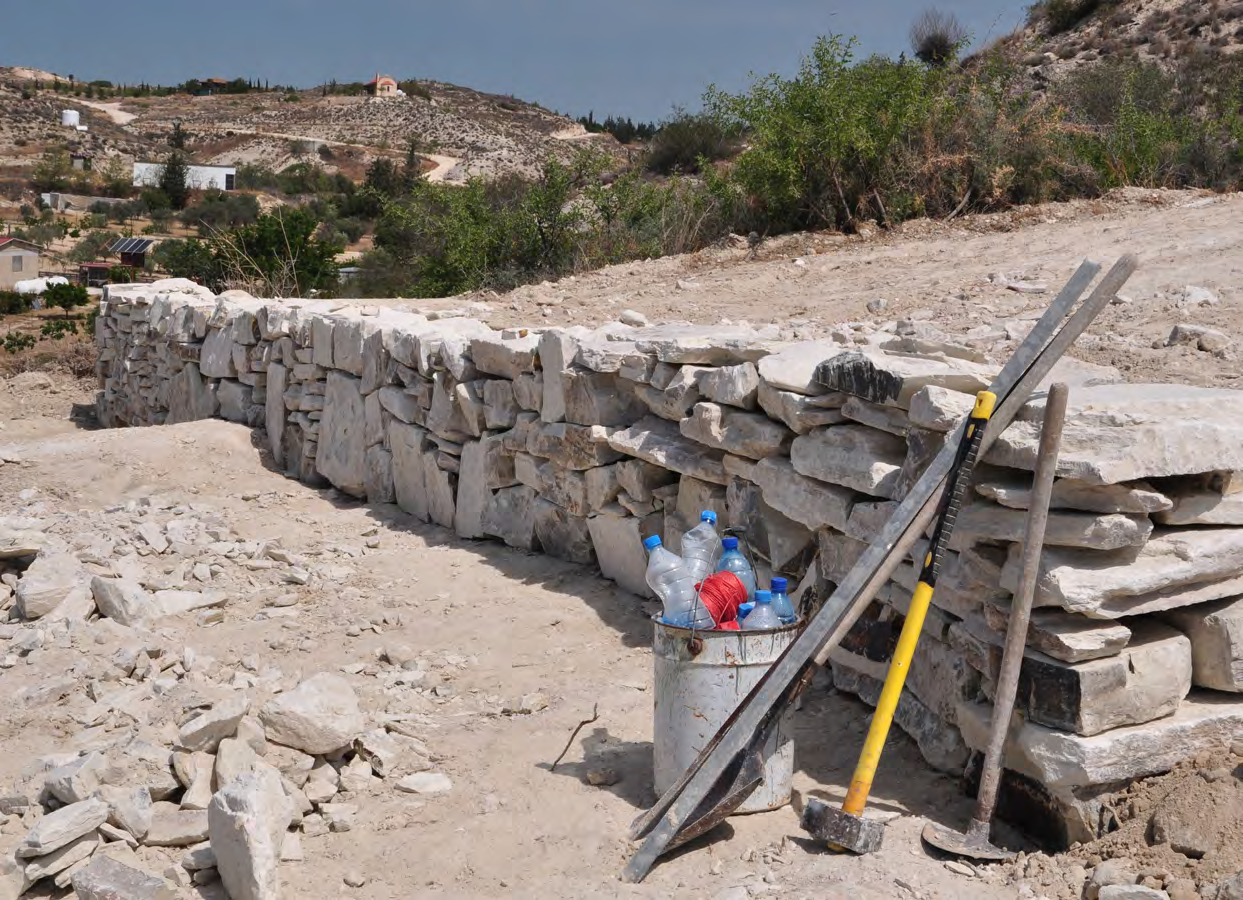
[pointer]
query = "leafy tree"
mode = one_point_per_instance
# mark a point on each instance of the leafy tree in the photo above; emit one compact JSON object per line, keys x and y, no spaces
{"x":66,"y":296}
{"x":175,"y":179}
{"x":91,"y":247}
{"x":53,"y":172}
{"x":385,"y":178}
{"x":219,"y":210}
{"x":191,"y":259}
{"x":278,"y":255}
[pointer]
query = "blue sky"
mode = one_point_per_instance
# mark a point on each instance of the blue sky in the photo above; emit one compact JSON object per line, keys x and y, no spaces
{"x":639,"y":58}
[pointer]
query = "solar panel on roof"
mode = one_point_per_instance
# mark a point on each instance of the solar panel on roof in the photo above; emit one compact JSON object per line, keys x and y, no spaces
{"x":131,"y":245}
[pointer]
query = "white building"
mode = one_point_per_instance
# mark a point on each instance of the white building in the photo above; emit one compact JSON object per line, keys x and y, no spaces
{"x":221,"y":178}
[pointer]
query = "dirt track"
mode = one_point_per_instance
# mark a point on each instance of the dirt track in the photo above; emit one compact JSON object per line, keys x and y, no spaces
{"x":939,"y":272}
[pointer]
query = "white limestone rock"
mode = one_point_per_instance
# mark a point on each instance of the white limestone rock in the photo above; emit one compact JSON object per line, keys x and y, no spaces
{"x":62,"y":827}
{"x":205,"y":731}
{"x":744,"y":434}
{"x":599,"y":398}
{"x":191,"y":397}
{"x":562,"y":534}
{"x":662,"y":444}
{"x":235,"y":401}
{"x":557,"y":349}
{"x":216,"y":359}
{"x":48,"y":581}
{"x":408,"y":444}
{"x":939,"y":409}
{"x":793,"y":368}
{"x":1216,"y":634}
{"x":989,"y":522}
{"x":853,"y":456}
{"x":805,"y":500}
{"x":732,"y":385}
{"x":319,"y":716}
{"x":799,"y":412}
{"x":174,"y":827}
{"x":105,"y":878}
{"x":1146,"y":681}
{"x":673,"y":397}
{"x":247,"y":822}
{"x":639,"y":478}
{"x":274,"y":411}
{"x":1174,"y":569}
{"x":508,"y":517}
{"x":1068,"y":493}
{"x":1062,"y":761}
{"x":341,"y":457}
{"x":1203,"y":507}
{"x":1124,"y":432}
{"x":1062,"y":635}
{"x":122,"y":600}
{"x":618,"y":541}
{"x":505,"y":358}
{"x":712,"y":345}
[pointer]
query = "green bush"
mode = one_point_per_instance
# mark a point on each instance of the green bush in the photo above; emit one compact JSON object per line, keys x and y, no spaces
{"x":219,"y":210}
{"x":55,"y":329}
{"x":442,"y":239}
{"x":66,"y":296}
{"x":13,"y":303}
{"x":15,"y":342}
{"x":686,"y":142}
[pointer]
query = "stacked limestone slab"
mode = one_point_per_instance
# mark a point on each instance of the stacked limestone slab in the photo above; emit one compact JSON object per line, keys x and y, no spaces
{"x":579,"y":443}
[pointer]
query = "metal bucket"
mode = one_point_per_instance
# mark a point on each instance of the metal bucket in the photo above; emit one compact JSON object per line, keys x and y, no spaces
{"x":701,"y":677}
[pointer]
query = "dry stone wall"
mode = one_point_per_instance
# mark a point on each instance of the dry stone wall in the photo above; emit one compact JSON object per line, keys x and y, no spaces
{"x":579,"y":443}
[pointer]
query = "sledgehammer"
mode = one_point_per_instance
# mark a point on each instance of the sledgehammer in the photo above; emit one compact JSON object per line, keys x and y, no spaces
{"x":846,"y":828}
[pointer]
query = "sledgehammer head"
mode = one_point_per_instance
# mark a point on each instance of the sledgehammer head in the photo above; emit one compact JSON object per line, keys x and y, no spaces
{"x":840,"y":829}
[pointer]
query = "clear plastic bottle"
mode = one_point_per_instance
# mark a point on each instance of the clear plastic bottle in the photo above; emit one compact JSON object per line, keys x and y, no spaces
{"x":667,"y":576}
{"x":732,"y":560}
{"x":700,"y":546}
{"x":763,"y":617}
{"x":781,"y":602}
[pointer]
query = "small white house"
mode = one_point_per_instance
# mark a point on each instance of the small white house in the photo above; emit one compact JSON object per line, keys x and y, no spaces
{"x":202,"y":178}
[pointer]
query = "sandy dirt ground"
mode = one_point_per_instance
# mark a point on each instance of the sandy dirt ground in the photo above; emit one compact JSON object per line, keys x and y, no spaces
{"x":940,"y":273}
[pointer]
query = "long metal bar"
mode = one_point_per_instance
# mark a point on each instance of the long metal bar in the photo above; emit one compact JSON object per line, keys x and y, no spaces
{"x":897,"y":538}
{"x":1030,"y":364}
{"x":1021,"y":610}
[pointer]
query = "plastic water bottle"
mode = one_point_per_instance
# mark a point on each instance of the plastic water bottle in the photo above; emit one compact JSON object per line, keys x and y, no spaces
{"x":781,"y":602}
{"x":700,"y":545}
{"x":763,"y":617}
{"x":667,"y":576}
{"x":732,"y":560}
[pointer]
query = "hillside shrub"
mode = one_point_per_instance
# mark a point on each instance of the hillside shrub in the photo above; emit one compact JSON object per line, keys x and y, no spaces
{"x":687,"y":142}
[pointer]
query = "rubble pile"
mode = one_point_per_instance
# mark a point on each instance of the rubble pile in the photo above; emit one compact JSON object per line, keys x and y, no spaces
{"x":579,"y":443}
{"x":179,"y":769}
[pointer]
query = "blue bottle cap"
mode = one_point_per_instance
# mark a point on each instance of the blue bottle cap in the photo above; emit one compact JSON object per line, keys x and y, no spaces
{"x":763,"y":597}
{"x":708,"y":516}
{"x":729,"y":543}
{"x":652,"y":543}
{"x":780,"y":585}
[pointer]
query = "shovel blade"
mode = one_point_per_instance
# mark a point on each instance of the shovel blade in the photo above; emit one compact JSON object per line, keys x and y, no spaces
{"x":974,"y":844}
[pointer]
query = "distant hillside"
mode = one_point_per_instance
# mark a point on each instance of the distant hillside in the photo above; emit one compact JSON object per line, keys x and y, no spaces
{"x":460,"y":132}
{"x":1065,"y":34}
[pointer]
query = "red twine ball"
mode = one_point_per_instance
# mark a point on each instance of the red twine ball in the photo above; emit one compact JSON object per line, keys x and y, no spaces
{"x":722,"y":594}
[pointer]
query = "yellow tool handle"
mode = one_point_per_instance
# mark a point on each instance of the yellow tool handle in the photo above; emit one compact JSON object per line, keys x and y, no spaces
{"x":895,"y":680}
{"x":869,"y":759}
